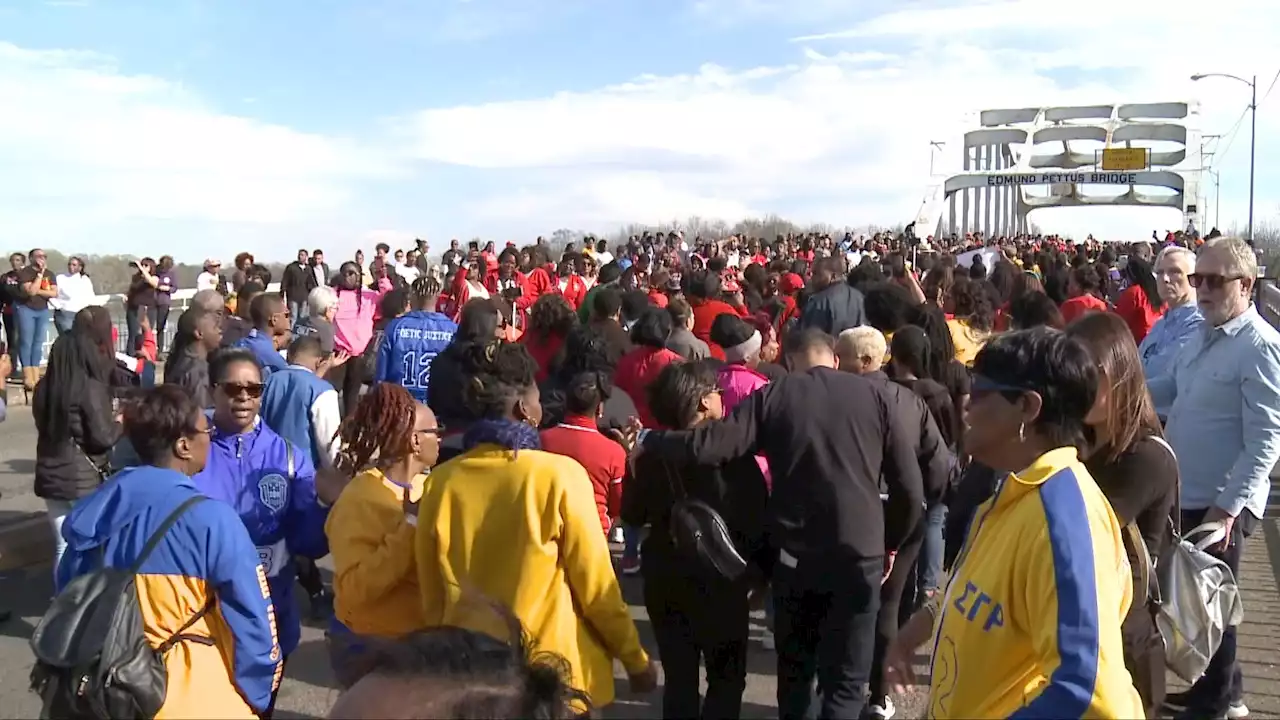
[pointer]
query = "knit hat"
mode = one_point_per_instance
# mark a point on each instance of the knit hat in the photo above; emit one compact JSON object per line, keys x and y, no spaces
{"x":738,"y":339}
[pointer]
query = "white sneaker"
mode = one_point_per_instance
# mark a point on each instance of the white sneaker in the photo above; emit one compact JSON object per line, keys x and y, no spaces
{"x":1238,"y":711}
{"x":615,"y":534}
{"x":766,"y":640}
{"x":883,"y":711}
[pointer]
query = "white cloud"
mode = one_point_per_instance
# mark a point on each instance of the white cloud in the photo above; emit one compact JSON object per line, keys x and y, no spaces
{"x":843,"y":133}
{"x":83,"y":145}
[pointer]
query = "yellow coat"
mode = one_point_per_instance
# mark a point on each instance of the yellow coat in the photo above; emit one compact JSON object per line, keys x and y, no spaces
{"x":375,"y":585}
{"x":522,"y":529}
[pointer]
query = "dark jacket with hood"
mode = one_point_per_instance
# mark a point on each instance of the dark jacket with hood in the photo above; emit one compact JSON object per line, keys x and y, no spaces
{"x":70,"y":462}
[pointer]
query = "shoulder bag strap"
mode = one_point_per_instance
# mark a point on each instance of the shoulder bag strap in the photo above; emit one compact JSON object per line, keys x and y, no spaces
{"x":160,"y":532}
{"x":288,"y":449}
{"x":1134,"y":537}
{"x":1175,"y":520}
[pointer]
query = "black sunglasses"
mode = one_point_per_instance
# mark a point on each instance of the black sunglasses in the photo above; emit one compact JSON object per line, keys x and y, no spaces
{"x":252,"y":390}
{"x":1211,"y":281}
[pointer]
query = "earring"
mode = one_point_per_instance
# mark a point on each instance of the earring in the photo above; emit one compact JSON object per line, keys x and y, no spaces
{"x":1022,"y":432}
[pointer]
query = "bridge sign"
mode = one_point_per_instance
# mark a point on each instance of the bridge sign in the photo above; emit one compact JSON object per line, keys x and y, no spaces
{"x":1122,"y":159}
{"x":1053,"y":178}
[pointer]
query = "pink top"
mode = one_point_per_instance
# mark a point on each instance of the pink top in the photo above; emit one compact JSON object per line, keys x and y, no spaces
{"x":736,"y":383}
{"x":353,"y":320}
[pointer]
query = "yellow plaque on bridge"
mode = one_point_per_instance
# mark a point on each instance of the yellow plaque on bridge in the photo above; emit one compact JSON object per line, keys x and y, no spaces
{"x":1124,"y":159}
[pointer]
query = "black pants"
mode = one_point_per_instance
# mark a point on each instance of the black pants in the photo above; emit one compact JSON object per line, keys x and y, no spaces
{"x":697,"y":622}
{"x":159,"y":319}
{"x":888,"y":620}
{"x":1223,"y":682}
{"x":309,"y":575}
{"x":349,"y":380}
{"x":825,"y":625}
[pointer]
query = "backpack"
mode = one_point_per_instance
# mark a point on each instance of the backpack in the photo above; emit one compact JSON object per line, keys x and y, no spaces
{"x":92,"y":658}
{"x":699,"y":533}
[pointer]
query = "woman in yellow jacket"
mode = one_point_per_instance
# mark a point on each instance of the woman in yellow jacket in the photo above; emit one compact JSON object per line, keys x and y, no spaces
{"x":1029,"y":624}
{"x":519,"y":526}
{"x":370,"y":535}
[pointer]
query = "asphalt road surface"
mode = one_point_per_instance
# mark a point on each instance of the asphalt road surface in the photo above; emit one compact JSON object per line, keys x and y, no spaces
{"x":307,"y":690}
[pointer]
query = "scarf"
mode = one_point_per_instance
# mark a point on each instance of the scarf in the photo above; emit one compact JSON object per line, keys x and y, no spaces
{"x":514,"y":436}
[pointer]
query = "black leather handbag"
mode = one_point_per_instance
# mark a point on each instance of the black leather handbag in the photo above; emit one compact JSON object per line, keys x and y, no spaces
{"x":700,"y":533}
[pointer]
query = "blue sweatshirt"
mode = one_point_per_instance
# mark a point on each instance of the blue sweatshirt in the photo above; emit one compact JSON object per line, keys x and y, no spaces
{"x":410,"y":343}
{"x":263,"y":348}
{"x":250,"y":472}
{"x":206,"y":551}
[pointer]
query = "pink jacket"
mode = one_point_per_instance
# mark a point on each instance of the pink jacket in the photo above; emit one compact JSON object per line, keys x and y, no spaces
{"x":736,"y":383}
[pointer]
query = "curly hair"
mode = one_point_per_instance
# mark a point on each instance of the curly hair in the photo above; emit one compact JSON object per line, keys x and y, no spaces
{"x":552,"y":315}
{"x":381,"y":426}
{"x":499,"y":373}
{"x":971,"y":301}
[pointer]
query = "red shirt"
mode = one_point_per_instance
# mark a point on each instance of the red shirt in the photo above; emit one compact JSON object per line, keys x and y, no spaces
{"x":543,"y":349}
{"x":604,"y":460}
{"x":1077,"y":306}
{"x":1133,"y":307}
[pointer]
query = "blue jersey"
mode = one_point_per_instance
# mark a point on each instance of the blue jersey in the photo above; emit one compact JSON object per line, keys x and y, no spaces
{"x":410,"y":343}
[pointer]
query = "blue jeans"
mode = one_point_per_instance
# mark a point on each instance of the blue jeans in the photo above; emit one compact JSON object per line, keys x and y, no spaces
{"x":62,"y":320}
{"x":297,"y":311}
{"x":631,"y":541}
{"x":33,"y":325}
{"x":133,"y":339}
{"x":929,"y":565}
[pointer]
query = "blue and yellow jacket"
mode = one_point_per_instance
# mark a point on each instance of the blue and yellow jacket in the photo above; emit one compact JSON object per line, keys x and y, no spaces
{"x":206,"y":552}
{"x":1030,"y":622}
{"x":250,"y":473}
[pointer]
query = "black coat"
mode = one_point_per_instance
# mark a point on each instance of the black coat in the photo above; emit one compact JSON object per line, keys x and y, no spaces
{"x":67,"y":467}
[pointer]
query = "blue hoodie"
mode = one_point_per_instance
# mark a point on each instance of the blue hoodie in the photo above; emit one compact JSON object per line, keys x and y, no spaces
{"x":250,"y":472}
{"x":410,"y":343}
{"x":207,"y":550}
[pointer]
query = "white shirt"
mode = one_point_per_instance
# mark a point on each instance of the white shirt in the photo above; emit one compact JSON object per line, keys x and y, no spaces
{"x":603,"y":258}
{"x":408,"y":272}
{"x":75,"y":293}
{"x":477,"y":290}
{"x":207,"y":281}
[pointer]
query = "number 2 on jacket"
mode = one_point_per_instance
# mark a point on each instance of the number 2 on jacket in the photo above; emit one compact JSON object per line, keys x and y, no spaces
{"x":416,"y":369}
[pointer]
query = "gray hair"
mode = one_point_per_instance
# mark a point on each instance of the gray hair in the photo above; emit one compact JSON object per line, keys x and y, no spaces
{"x":1177,"y":250}
{"x":1240,"y":258}
{"x":321,"y":299}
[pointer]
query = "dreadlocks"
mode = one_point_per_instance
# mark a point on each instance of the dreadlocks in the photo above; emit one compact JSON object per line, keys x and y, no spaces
{"x":381,"y":426}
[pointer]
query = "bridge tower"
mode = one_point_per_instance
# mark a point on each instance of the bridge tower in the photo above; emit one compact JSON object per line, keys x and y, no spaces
{"x":1014,"y":151}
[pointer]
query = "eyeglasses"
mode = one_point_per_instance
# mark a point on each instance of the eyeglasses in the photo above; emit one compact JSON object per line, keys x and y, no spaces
{"x":252,"y":390}
{"x":437,"y":430}
{"x":1210,"y":281}
{"x":206,"y":430}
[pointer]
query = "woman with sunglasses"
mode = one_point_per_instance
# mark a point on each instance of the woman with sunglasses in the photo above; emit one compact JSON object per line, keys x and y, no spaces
{"x":270,"y":483}
{"x":1030,"y":620}
{"x":389,"y":444}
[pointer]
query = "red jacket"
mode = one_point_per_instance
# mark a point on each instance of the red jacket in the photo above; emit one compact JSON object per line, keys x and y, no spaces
{"x":657,"y":298}
{"x":1077,"y":306}
{"x":636,"y":371}
{"x":604,"y":460}
{"x":574,"y":290}
{"x":704,"y":313}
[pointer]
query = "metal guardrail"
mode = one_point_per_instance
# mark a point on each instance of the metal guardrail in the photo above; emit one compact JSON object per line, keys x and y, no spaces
{"x":180,"y":300}
{"x":1268,"y":300}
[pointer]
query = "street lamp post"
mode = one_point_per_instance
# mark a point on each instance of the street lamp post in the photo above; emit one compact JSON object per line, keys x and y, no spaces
{"x":1253,"y":131}
{"x":1217,"y":195}
{"x":934,"y":145}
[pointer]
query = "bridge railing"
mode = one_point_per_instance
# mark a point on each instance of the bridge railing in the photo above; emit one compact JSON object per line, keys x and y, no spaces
{"x":1269,"y":301}
{"x":180,"y":301}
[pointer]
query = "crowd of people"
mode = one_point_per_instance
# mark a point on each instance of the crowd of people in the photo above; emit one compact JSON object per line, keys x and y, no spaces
{"x":890,"y":445}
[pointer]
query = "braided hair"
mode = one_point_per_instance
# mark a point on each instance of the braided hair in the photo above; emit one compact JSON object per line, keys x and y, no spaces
{"x":499,"y":373}
{"x":424,"y":291}
{"x":381,"y":426}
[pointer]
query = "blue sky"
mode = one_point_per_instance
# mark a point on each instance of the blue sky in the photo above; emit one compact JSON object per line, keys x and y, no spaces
{"x":210,"y":126}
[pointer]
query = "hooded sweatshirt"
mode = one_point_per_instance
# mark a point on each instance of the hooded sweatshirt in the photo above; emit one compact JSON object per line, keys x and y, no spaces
{"x":206,"y":552}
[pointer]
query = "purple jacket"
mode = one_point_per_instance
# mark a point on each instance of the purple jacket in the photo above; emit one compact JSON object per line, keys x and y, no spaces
{"x":736,"y":383}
